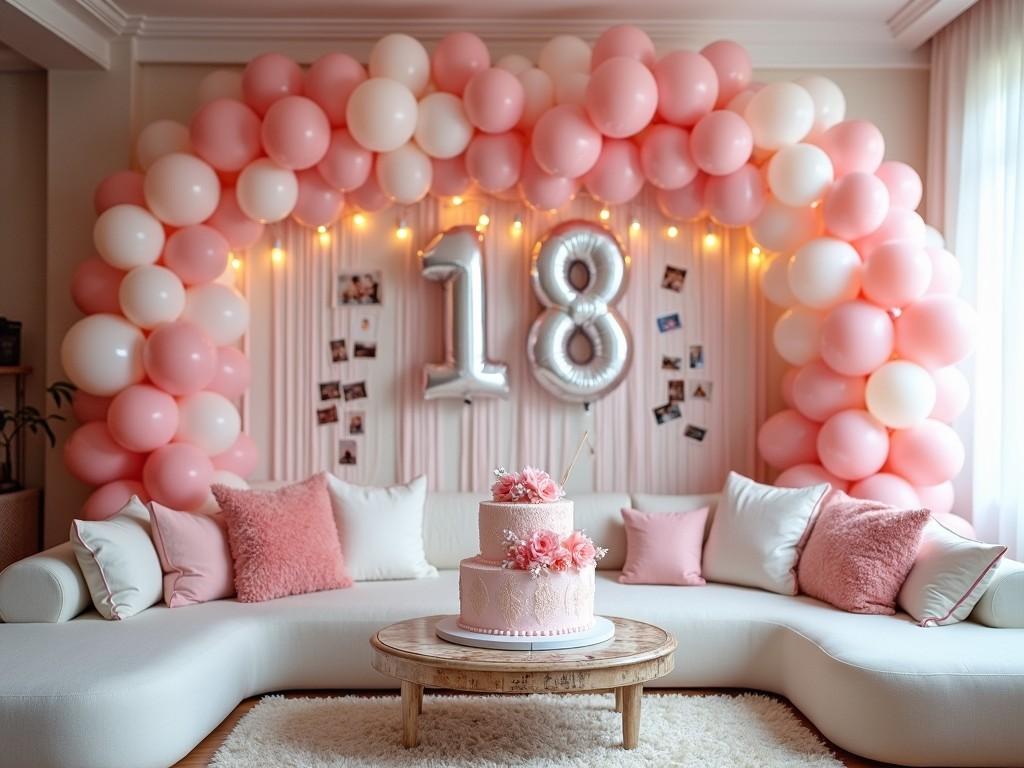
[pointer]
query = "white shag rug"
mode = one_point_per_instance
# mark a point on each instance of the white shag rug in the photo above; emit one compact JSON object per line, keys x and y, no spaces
{"x":539,"y":731}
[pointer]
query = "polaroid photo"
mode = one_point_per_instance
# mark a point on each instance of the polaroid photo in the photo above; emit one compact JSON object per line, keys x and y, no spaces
{"x":674,"y":279}
{"x":696,"y":357}
{"x":364,"y":326}
{"x":670,"y":322}
{"x":355,"y":391}
{"x":676,"y":390}
{"x":356,"y":422}
{"x":358,"y":288}
{"x":700,"y":390}
{"x":327,"y":415}
{"x":339,"y":351}
{"x":347,"y":452}
{"x":666,"y":413}
{"x":330,"y":390}
{"x":364,"y":349}
{"x":695,"y":433}
{"x":669,"y":363}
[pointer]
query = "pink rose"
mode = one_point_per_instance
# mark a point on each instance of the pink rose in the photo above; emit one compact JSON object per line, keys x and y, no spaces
{"x":581,"y":548}
{"x":503,"y":488}
{"x":561,"y":560}
{"x":521,"y":557}
{"x":539,"y":486}
{"x":542,"y":545}
{"x":548,"y":490}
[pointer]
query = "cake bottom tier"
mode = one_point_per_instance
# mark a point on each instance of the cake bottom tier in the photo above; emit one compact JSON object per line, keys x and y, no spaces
{"x":502,"y":601}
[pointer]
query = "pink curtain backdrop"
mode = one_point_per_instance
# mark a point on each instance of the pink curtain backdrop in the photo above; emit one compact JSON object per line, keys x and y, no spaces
{"x":457,"y":446}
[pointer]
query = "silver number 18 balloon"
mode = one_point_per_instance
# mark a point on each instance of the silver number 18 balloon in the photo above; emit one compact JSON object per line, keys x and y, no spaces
{"x":587,"y":311}
{"x":455,"y":258}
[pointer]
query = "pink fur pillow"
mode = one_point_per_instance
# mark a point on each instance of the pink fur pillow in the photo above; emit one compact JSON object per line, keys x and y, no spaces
{"x":284,"y":542}
{"x":859,"y":553}
{"x":664,"y":548}
{"x":194,"y":555}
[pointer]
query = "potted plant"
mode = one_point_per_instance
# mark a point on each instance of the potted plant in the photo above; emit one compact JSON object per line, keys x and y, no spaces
{"x":13,"y":423}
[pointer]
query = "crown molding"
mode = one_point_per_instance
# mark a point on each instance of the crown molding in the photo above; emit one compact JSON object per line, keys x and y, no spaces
{"x":918,"y":20}
{"x":57,"y":34}
{"x":12,"y":61}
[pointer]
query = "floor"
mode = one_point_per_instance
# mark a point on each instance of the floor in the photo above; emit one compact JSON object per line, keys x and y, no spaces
{"x":201,"y":755}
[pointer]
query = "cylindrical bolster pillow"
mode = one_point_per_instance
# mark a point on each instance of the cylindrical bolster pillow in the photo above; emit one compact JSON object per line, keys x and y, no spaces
{"x":1002,"y":605}
{"x":47,"y":587}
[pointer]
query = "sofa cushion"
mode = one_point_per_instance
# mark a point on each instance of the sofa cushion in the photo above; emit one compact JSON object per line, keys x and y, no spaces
{"x":662,"y":502}
{"x":194,"y":555}
{"x":664,"y":548}
{"x":47,"y":587}
{"x":1002,"y":605}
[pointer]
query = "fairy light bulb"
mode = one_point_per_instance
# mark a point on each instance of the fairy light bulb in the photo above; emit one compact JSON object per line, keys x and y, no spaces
{"x":605,"y":214}
{"x":236,"y":263}
{"x":457,"y":200}
{"x":755,"y":255}
{"x":634,"y":225}
{"x":672,"y":231}
{"x":517,"y":226}
{"x":277,"y":253}
{"x":323,"y":235}
{"x":482,"y":222}
{"x":359,"y":220}
{"x":402,"y":230}
{"x":710,"y":238}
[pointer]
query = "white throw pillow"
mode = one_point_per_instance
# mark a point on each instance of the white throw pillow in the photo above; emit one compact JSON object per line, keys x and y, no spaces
{"x":119,"y":562}
{"x":757,"y":533}
{"x":1002,"y":604}
{"x":381,"y":529}
{"x":949,"y":576}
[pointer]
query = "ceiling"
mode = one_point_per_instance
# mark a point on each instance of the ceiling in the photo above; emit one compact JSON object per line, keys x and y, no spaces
{"x":778,"y":33}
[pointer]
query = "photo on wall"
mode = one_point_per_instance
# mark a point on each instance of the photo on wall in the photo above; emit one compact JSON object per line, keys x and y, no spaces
{"x":358,"y":288}
{"x":364,"y":349}
{"x":327,"y":415}
{"x":339,"y":351}
{"x":696,"y":357}
{"x":674,"y":279}
{"x":666,"y":413}
{"x":700,"y":390}
{"x":670,"y":363}
{"x":356,"y":422}
{"x":676,"y":390}
{"x":347,"y":452}
{"x":669,"y":322}
{"x":355,"y":391}
{"x":330,"y":390}
{"x":695,"y":433}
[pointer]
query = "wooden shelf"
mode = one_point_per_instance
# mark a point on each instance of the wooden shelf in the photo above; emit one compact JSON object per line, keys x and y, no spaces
{"x":15,"y":370}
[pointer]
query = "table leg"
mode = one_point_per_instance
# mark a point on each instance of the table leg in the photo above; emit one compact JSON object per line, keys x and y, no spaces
{"x":631,"y":715}
{"x":419,"y":701}
{"x":618,"y":699}
{"x":412,"y":693}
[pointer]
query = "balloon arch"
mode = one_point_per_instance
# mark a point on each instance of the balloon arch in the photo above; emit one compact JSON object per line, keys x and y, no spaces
{"x":872,"y":325}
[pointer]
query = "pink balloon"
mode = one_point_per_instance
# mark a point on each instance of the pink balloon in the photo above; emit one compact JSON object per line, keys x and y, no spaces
{"x":565,"y":142}
{"x":329,"y":82}
{"x":142,"y":418}
{"x":107,"y":500}
{"x":787,"y":439}
{"x":903,"y":183}
{"x":494,"y":100}
{"x":788,"y":379}
{"x":936,"y":331}
{"x":732,"y":68}
{"x":804,"y":475}
{"x":543,"y":191}
{"x":179,"y":358}
{"x":946,"y":275}
{"x":853,"y":146}
{"x":623,"y":40}
{"x":233,"y":373}
{"x":226,"y":134}
{"x":928,"y":454}
{"x":88,"y":407}
{"x":319,"y":203}
{"x":119,"y":188}
{"x":494,"y":161}
{"x":956,"y":524}
{"x":896,"y":273}
{"x":346,"y":165}
{"x":94,"y":287}
{"x":819,"y":392}
{"x":855,"y":205}
{"x":268,"y":78}
{"x":938,"y":499}
{"x":856,"y":338}
{"x":178,"y":475}
{"x":241,"y":458}
{"x":617,"y":178}
{"x":450,"y":177}
{"x":239,"y":230}
{"x":621,"y":97}
{"x":853,"y":444}
{"x":737,"y":199}
{"x":899,"y":224}
{"x":687,"y":87}
{"x":458,"y":57}
{"x":685,"y":203}
{"x":369,"y":197}
{"x":295,"y":133}
{"x":888,"y":489}
{"x":721,"y":142}
{"x":665,"y":157}
{"x":952,"y":393}
{"x":92,"y":455}
{"x":197,"y":254}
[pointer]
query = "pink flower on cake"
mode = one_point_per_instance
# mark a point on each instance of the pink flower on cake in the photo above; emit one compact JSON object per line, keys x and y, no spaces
{"x":561,"y":560}
{"x":581,"y":548}
{"x":540,"y":488}
{"x":542,"y":545}
{"x":505,"y":486}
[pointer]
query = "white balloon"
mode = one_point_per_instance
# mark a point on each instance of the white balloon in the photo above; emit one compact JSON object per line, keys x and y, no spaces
{"x":208,"y":421}
{"x":800,"y":174}
{"x":151,"y":295}
{"x":824,"y":272}
{"x":775,"y":282}
{"x":564,"y":54}
{"x":538,"y":96}
{"x":381,"y":114}
{"x":514,"y":63}
{"x":933,"y":238}
{"x":221,"y":84}
{"x":181,"y":190}
{"x":221,"y":477}
{"x":128,"y":236}
{"x":221,"y":312}
{"x":783,"y":229}
{"x":401,"y":58}
{"x":796,"y":335}
{"x":952,"y":393}
{"x":159,"y":138}
{"x":900,"y":394}
{"x":572,"y":88}
{"x":829,"y":102}
{"x":265,"y":191}
{"x":738,"y":103}
{"x":779,"y":114}
{"x":102,"y":354}
{"x":405,"y":174}
{"x":442,"y":128}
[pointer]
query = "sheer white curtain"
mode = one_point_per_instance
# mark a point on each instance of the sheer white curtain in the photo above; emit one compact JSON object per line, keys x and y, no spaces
{"x":976,"y":195}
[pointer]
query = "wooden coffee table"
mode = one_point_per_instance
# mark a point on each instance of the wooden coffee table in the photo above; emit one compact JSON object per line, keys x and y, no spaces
{"x":412,"y":653}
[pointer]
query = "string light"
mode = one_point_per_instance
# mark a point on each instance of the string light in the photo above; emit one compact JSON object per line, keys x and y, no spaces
{"x":457,"y":200}
{"x":402,"y":230}
{"x":634,"y":225}
{"x":672,"y":231}
{"x":816,"y":203}
{"x":710,"y":238}
{"x":359,"y":220}
{"x":755,"y":255}
{"x":236,"y":263}
{"x":517,"y":226}
{"x":605,"y":214}
{"x":277,"y":253}
{"x":482,"y":222}
{"x":324,"y":235}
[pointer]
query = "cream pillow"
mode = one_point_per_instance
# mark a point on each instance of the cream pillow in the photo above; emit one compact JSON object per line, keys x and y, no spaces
{"x":119,"y":562}
{"x":381,"y":529}
{"x":1002,"y":605}
{"x":757,"y":532}
{"x":949,"y":576}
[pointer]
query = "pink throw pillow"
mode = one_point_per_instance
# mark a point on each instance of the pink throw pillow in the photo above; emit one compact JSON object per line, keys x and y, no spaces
{"x":859,"y":554}
{"x":284,"y":542}
{"x":664,"y":548}
{"x":194,"y":555}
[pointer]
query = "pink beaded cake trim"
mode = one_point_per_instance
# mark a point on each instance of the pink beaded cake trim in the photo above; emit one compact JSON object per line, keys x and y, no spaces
{"x":524,"y":633}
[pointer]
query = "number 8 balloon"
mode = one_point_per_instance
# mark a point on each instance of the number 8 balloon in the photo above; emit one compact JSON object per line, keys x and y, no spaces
{"x":571,"y":311}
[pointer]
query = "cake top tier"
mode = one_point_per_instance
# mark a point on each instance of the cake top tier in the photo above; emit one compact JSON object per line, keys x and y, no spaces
{"x":528,"y":486}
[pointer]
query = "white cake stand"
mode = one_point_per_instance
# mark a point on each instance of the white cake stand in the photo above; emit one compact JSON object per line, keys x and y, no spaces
{"x":448,"y":629}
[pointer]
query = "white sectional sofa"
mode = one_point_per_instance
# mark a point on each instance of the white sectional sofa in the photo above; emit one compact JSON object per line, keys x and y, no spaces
{"x":144,"y":691}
